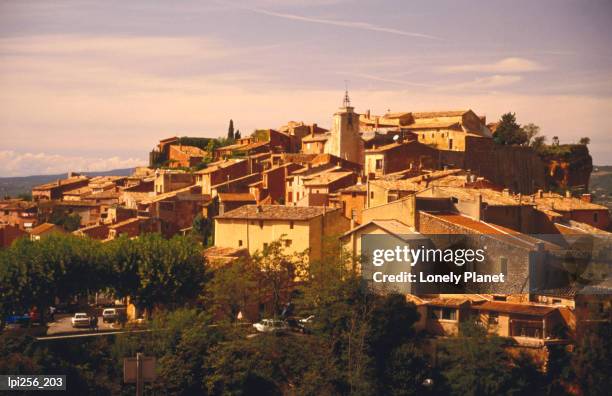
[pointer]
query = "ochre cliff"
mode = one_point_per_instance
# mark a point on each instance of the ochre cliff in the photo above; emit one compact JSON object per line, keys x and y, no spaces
{"x":568,"y":167}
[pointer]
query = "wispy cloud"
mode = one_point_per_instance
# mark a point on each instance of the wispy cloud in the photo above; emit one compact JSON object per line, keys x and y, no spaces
{"x":507,"y":65}
{"x":483,"y":83}
{"x":23,"y":164}
{"x":347,"y":24}
{"x":394,"y":81}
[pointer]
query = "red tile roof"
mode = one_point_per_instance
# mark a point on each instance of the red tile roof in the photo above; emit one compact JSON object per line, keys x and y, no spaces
{"x":276,"y":212}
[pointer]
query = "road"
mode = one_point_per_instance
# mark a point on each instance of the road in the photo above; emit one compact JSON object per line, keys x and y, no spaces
{"x":63,"y":325}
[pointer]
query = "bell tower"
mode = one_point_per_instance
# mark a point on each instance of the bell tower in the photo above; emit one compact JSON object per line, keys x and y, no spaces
{"x":345,"y":141}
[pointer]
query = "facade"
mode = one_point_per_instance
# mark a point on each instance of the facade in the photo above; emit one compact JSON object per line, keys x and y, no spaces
{"x":396,"y":157}
{"x":44,"y":230}
{"x":180,"y":156}
{"x":55,"y":190}
{"x":344,"y":140}
{"x":253,"y":227}
{"x":353,"y":201}
{"x":168,"y":181}
{"x":22,"y":214}
{"x":576,"y":209}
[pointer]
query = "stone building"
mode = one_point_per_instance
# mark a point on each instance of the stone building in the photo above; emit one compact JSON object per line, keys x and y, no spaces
{"x":180,"y":156}
{"x":255,"y":226}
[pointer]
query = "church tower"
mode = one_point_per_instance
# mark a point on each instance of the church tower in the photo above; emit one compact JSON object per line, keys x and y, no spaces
{"x":345,"y":141}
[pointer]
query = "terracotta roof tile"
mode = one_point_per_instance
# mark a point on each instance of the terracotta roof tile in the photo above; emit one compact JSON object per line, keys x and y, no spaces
{"x":513,"y":308}
{"x":276,"y":212}
{"x":236,"y":197}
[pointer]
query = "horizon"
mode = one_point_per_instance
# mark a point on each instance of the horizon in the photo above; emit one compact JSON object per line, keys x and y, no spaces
{"x":95,"y":86}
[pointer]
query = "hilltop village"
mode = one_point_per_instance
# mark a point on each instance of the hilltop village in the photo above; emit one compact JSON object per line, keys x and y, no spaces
{"x":395,"y":174}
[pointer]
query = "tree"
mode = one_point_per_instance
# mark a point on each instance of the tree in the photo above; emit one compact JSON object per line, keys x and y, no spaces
{"x":538,"y":143}
{"x":405,"y":372}
{"x":478,"y":364}
{"x":203,"y":228}
{"x":170,"y":272}
{"x":231,"y":287}
{"x":230,"y":130}
{"x":509,"y":132}
{"x":237,"y":135}
{"x":531,"y":131}
{"x":584,"y":141}
{"x":277,"y":270}
{"x":69,"y":222}
{"x":592,"y":359}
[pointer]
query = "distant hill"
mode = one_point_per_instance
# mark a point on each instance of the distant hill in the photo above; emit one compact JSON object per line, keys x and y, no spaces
{"x":13,"y":186}
{"x":601,"y":185}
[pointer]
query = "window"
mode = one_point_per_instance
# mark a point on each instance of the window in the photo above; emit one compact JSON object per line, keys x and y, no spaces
{"x":379,"y":164}
{"x":443,"y":313}
{"x":595,"y":217}
{"x":449,"y":313}
{"x":371,"y":194}
{"x":455,"y":199}
{"x":353,"y":195}
{"x":556,"y":301}
{"x":240,"y":242}
{"x":261,"y":223}
{"x":265,"y":246}
{"x":493,"y":318}
{"x":450,"y":144}
{"x":353,"y":213}
{"x":503,"y":265}
{"x":288,"y":242}
{"x":291,"y":224}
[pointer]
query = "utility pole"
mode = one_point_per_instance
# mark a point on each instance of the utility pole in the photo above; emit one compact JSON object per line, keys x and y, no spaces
{"x":139,"y":376}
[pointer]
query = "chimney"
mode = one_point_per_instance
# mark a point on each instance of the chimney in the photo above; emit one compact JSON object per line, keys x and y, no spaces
{"x":312,"y":129}
{"x":259,"y":209}
{"x":586,"y":198}
{"x":58,"y":182}
{"x":359,"y":180}
{"x":506,"y":192}
{"x":568,"y":194}
{"x":368,"y":114}
{"x":540,"y":194}
{"x":479,"y":207}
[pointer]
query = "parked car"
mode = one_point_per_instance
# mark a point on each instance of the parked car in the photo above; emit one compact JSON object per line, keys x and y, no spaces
{"x":307,"y":320}
{"x":109,"y":315}
{"x":34,"y":316}
{"x":270,"y":325}
{"x":18,"y":320}
{"x":297,"y":326}
{"x":80,"y":319}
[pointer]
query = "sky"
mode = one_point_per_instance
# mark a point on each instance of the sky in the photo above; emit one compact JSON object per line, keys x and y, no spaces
{"x":93,"y":85}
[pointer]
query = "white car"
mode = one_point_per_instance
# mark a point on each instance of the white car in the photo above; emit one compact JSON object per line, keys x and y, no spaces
{"x":109,"y":315}
{"x":307,"y":320}
{"x":80,"y":319}
{"x":270,"y":325}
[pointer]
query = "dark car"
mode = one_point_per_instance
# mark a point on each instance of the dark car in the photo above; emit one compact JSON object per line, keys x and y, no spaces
{"x":295,"y":325}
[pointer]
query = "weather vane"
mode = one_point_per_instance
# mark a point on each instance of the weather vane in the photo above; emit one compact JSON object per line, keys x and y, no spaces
{"x":347,"y":101}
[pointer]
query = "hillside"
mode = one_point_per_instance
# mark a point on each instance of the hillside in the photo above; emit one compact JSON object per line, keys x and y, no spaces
{"x":12,"y":186}
{"x":601,"y":185}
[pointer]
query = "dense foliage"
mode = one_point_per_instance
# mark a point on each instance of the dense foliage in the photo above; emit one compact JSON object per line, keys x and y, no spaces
{"x":152,"y":270}
{"x":359,"y":343}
